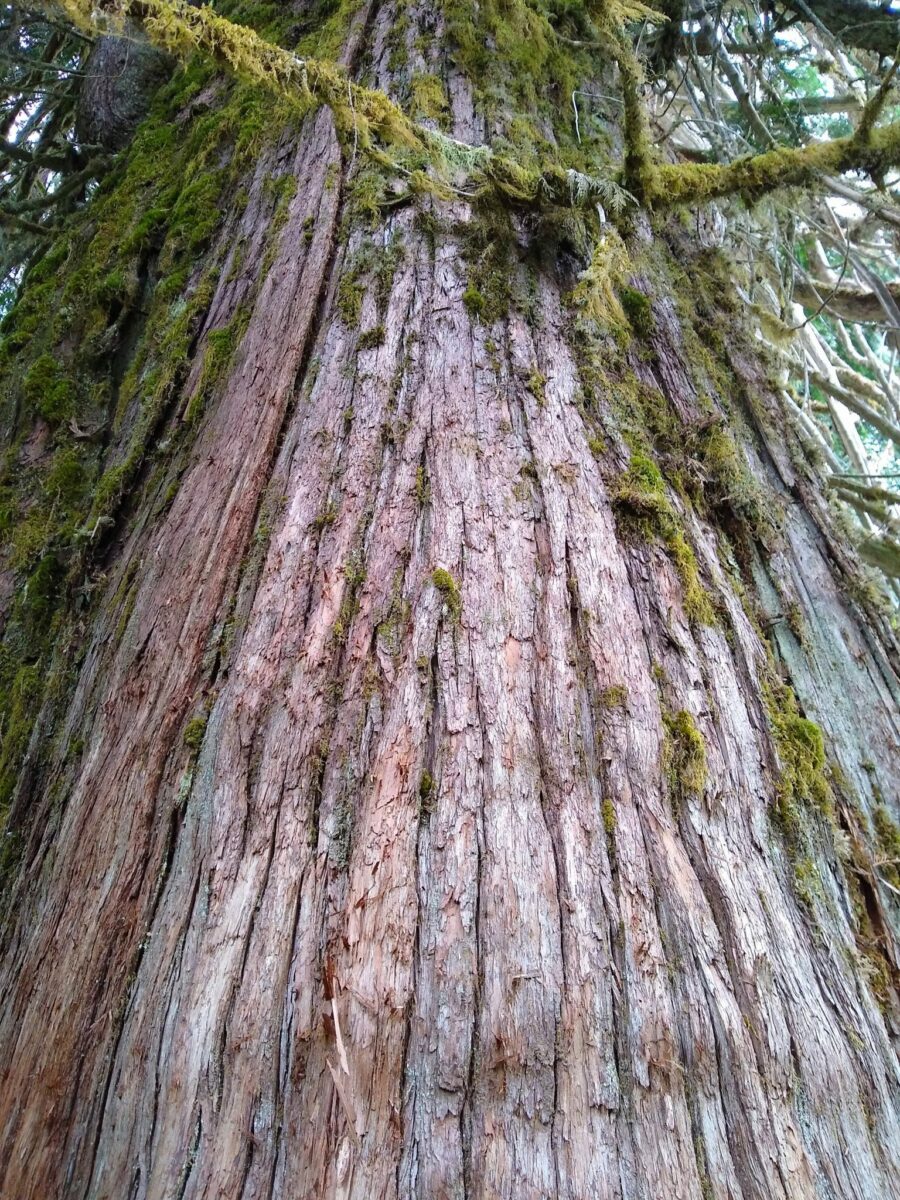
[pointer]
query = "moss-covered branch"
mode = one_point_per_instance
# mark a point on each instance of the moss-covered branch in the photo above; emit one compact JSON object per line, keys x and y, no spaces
{"x":374,"y":121}
{"x":848,"y":301}
{"x":611,"y":18}
{"x":786,"y":166}
{"x":364,"y":115}
{"x":882,"y":552}
{"x":858,"y":405}
{"x":180,"y":29}
{"x":858,"y":23}
{"x":868,"y":491}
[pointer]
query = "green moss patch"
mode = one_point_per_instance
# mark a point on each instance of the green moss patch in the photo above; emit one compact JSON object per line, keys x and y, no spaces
{"x":428,"y":98}
{"x":685,"y":756}
{"x":194,"y":733}
{"x":615,"y":696}
{"x":638,"y":310}
{"x":641,"y":499}
{"x":449,"y":589}
{"x":122,"y":275}
{"x":800,"y":748}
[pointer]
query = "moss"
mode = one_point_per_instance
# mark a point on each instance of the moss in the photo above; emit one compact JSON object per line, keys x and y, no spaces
{"x":386,"y":262}
{"x":697,"y":604}
{"x":354,"y":577}
{"x":68,"y":479}
{"x":428,"y":98}
{"x":113,"y":288}
{"x":220,"y":348}
{"x":373,"y":265}
{"x":39,"y":596}
{"x":449,"y":589}
{"x":323,"y":26}
{"x":398,"y":58}
{"x":511,"y":54}
{"x":686,"y":756}
{"x":860,"y":873}
{"x":195,"y":215}
{"x":342,"y":831}
{"x":536,"y":384}
{"x":878,"y":972}
{"x":371,"y":338}
{"x":155,"y":212}
{"x":608,"y":813}
{"x":807,"y":882}
{"x":423,"y":487}
{"x":641,"y":495}
{"x":194,"y":732}
{"x":283,"y":188}
{"x":800,"y":748}
{"x":426,"y":792}
{"x":366,"y":195}
{"x":20,"y":698}
{"x":642,"y":489}
{"x":358,"y":112}
{"x":49,"y":390}
{"x":597,"y":446}
{"x":280,"y":188}
{"x":326,"y":517}
{"x":638,"y":310}
{"x":887,"y":837}
{"x":392,"y":629}
{"x":474,"y":301}
{"x":797,"y":625}
{"x":51,"y":262}
{"x":429,"y":224}
{"x":651,"y":414}
{"x":488,"y":245}
{"x":349,"y":299}
{"x":615,"y":696}
{"x":786,"y":166}
{"x":727,"y":483}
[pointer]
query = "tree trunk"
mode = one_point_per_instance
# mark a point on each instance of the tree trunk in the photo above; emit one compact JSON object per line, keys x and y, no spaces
{"x":121,"y":74}
{"x":424,"y":810}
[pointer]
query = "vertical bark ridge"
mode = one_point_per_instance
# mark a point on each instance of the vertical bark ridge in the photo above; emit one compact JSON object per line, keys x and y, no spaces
{"x":114,"y":749}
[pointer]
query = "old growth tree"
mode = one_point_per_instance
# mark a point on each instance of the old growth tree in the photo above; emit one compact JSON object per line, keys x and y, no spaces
{"x":449,"y":667}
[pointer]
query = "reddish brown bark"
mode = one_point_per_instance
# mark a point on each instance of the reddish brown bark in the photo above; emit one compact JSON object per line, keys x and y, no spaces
{"x":293,"y":966}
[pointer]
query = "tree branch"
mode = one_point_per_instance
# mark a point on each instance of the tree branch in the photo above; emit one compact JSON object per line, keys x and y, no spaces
{"x":881,"y":552}
{"x":857,"y":23}
{"x":859,"y":406}
{"x":786,"y":166}
{"x":848,"y":301}
{"x":177,"y":27}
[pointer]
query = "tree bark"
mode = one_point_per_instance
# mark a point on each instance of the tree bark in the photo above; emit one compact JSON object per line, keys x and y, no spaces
{"x":121,"y":75}
{"x":433,"y":904}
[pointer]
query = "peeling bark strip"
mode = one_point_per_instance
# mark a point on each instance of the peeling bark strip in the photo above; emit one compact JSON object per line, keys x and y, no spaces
{"x":470,"y":861}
